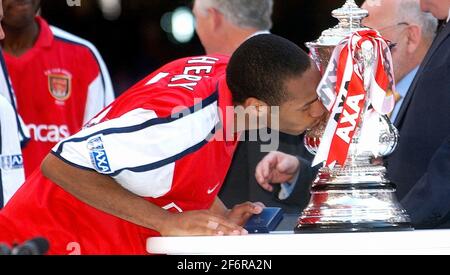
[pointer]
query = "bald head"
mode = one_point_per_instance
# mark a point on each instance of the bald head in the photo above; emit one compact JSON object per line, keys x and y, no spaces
{"x":381,"y":12}
{"x":223,"y":25}
{"x":388,"y":13}
{"x":403,"y":23}
{"x":439,"y":8}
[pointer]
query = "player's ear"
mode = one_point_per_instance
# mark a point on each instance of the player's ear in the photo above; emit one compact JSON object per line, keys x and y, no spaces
{"x":251,"y":101}
{"x":257,"y":106}
{"x":256,"y":112}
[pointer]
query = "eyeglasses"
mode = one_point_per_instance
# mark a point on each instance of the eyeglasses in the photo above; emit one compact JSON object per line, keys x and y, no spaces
{"x":392,"y":45}
{"x":393,"y":26}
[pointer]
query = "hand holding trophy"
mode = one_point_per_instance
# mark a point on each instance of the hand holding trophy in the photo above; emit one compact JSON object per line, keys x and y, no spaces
{"x":350,"y":193}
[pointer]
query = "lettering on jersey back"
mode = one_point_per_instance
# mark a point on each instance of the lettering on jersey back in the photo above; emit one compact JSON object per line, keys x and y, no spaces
{"x":198,"y":67}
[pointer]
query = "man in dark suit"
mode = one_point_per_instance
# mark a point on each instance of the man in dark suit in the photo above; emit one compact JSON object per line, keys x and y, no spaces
{"x":424,"y":118}
{"x":428,"y":202}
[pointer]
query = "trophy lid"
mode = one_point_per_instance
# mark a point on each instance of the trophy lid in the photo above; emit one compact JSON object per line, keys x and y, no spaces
{"x":350,"y":17}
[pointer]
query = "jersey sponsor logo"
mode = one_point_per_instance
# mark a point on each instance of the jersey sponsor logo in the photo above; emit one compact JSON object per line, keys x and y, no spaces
{"x":59,"y":84}
{"x":98,"y":155}
{"x":11,"y":162}
{"x":48,"y":133}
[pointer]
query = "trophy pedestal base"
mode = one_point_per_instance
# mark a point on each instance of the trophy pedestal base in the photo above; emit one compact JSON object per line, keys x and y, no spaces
{"x":343,"y":202}
{"x":352,"y":227}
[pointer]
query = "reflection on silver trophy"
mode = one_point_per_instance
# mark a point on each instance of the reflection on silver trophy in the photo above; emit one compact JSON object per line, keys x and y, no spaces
{"x":353,"y":194}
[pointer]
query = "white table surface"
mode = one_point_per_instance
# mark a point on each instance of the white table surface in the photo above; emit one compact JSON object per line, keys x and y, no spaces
{"x":403,"y":242}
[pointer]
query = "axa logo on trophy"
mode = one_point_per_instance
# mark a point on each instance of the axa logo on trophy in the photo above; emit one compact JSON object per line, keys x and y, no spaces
{"x":73,"y":3}
{"x":350,"y":117}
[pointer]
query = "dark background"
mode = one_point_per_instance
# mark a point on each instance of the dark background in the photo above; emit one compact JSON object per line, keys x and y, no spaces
{"x":134,"y":44}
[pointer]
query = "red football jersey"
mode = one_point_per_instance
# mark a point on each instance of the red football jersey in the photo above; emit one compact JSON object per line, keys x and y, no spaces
{"x":159,"y":140}
{"x":60,"y":83}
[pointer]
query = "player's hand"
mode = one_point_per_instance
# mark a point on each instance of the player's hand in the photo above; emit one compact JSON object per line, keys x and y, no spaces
{"x":199,"y":223}
{"x":276,"y":167}
{"x":242,"y":212}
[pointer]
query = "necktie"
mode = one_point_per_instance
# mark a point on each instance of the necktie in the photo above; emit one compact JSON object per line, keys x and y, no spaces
{"x":441,"y":28}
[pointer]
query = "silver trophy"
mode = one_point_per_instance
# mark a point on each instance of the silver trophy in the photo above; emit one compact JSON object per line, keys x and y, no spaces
{"x":357,"y":196}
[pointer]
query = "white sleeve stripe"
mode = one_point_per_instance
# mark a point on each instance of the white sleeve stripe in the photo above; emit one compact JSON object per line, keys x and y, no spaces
{"x":148,"y":167}
{"x":106,"y":79}
{"x":95,"y":127}
{"x":163,"y":140}
{"x":94,"y":100}
{"x":164,"y":162}
{"x":152,"y":122}
{"x":96,"y":59}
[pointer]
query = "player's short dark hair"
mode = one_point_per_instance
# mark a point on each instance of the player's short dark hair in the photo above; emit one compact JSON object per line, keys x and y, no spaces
{"x":260,"y":67}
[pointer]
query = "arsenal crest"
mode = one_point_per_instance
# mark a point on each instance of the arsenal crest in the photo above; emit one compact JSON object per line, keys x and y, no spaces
{"x":59,"y":85}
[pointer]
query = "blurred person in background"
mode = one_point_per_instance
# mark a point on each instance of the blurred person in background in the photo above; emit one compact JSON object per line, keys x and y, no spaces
{"x":423,"y":120}
{"x":411,"y":32}
{"x":424,"y":125}
{"x":60,"y":80}
{"x":222,"y":26}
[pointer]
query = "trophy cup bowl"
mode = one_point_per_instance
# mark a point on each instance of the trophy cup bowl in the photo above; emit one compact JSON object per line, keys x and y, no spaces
{"x":356,"y":196}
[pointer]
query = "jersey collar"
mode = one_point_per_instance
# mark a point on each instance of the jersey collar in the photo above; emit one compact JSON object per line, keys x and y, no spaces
{"x":226,"y":106}
{"x":44,"y":41}
{"x":45,"y":38}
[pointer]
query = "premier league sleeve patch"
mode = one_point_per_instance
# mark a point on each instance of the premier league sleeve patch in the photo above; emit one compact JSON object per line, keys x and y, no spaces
{"x":98,"y":155}
{"x":11,"y":162}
